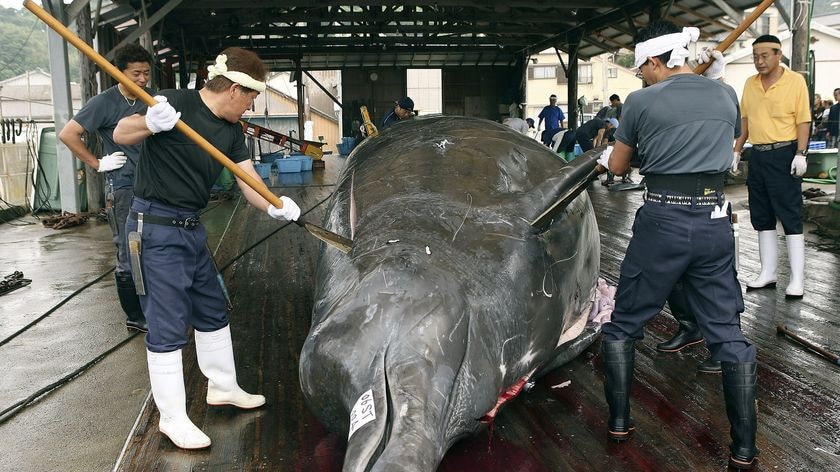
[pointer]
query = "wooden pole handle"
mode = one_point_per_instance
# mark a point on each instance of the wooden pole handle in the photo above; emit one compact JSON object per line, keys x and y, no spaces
{"x":724,"y":45}
{"x":137,"y":91}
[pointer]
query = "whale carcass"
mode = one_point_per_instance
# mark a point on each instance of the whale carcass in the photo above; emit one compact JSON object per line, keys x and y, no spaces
{"x":449,"y":300}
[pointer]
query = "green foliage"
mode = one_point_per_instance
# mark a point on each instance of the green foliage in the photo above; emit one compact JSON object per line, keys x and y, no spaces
{"x":24,"y":40}
{"x":625,"y":60}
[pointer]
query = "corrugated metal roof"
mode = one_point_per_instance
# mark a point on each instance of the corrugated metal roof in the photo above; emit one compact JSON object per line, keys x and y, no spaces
{"x":347,"y":34}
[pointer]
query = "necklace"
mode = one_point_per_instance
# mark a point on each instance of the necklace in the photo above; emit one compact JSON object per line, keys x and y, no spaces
{"x":130,"y":102}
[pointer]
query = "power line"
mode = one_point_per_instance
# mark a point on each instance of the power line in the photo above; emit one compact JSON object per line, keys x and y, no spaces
{"x":22,"y":46}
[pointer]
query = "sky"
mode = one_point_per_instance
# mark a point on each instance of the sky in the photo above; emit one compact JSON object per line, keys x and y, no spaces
{"x":13,"y":3}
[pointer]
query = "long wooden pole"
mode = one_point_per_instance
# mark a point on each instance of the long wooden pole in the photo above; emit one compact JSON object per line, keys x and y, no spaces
{"x":338,"y":241}
{"x":724,"y":45}
{"x":834,"y":358}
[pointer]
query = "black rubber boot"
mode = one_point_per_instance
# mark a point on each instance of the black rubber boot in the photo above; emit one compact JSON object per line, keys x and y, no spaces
{"x":688,"y":333}
{"x":739,"y":394}
{"x":709,"y":366}
{"x":130,"y":303}
{"x":619,"y":357}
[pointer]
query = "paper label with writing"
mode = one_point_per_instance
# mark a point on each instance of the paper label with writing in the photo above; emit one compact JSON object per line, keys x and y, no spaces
{"x":362,"y":413}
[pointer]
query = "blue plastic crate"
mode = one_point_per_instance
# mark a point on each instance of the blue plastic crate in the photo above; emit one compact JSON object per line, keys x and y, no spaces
{"x":294,"y":163}
{"x":814,"y":145}
{"x":289,"y":164}
{"x":306,"y":163}
{"x":263,"y":169}
{"x":271,"y":157}
{"x":346,"y":145}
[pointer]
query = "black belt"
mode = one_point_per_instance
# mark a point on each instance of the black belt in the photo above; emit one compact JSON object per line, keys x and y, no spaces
{"x":682,"y":199}
{"x":772,"y":146}
{"x":692,"y":185}
{"x":186,"y":223}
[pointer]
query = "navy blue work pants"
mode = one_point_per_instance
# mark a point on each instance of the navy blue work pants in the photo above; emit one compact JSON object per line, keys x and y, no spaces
{"x":673,"y":242}
{"x":180,"y":278}
{"x":773,"y":192}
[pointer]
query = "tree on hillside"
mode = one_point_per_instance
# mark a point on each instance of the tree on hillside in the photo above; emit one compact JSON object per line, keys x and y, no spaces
{"x":24,"y":40}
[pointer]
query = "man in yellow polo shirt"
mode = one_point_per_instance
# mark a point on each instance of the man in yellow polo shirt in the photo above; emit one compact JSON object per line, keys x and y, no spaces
{"x":776,"y":118}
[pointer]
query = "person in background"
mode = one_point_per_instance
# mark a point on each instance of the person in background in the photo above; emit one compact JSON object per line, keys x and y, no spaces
{"x":553,"y":117}
{"x":403,"y":110}
{"x":821,"y":131}
{"x":816,"y":109}
{"x":518,"y":124}
{"x":172,"y":185}
{"x":614,"y":112}
{"x":101,"y":115}
{"x":777,"y":161}
{"x":592,"y":133}
{"x":833,"y":122}
{"x":683,"y":231}
{"x":615,"y":107}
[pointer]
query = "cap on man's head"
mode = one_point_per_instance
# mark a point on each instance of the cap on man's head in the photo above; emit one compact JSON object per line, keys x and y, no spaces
{"x":406,"y":103}
{"x":613,"y":122}
{"x":552,"y":97}
{"x":530,"y":122}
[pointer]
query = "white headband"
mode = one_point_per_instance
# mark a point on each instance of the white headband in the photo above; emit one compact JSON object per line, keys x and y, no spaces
{"x":241,"y":78}
{"x":677,"y":43}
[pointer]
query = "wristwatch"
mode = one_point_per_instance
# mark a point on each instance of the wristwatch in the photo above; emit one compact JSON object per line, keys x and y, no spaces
{"x":803,"y":152}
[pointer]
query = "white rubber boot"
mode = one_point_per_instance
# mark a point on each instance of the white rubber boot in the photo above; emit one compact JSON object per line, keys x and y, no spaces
{"x":166,"y":374}
{"x":796,"y":254}
{"x":768,"y":252}
{"x":215,"y":358}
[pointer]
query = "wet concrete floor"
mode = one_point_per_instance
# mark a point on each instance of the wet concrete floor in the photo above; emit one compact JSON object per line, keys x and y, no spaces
{"x":103,"y":419}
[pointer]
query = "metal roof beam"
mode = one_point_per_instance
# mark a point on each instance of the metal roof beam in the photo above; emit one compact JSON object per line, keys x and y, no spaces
{"x":314,"y":4}
{"x":738,"y":17}
{"x":145,"y":27}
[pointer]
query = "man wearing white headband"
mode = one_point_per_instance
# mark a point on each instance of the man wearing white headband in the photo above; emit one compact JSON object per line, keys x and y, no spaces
{"x":779,"y":134}
{"x":172,"y":185}
{"x":682,"y":233}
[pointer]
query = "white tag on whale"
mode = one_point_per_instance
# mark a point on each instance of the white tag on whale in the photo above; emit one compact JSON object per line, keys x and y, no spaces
{"x":363,"y":412}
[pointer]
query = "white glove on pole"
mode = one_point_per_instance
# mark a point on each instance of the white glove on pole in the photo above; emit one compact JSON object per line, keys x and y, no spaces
{"x":604,"y":158}
{"x":798,"y":166}
{"x":161,"y":116}
{"x":112,"y":161}
{"x":716,"y":69}
{"x":736,"y":159}
{"x":290,"y":210}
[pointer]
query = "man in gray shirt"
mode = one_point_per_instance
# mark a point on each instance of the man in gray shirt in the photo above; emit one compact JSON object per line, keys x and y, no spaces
{"x":101,"y":114}
{"x":683,"y":231}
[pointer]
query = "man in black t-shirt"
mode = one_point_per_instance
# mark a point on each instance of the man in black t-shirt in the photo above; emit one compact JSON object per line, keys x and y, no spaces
{"x":101,"y":114}
{"x":591,"y":133}
{"x":173,"y":182}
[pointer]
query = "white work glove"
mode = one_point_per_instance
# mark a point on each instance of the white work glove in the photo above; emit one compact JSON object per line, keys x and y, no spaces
{"x":112,"y":161}
{"x":161,"y":116}
{"x":717,"y":67}
{"x":798,"y":166}
{"x":290,"y":210}
{"x":604,"y":158}
{"x":736,"y":159}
